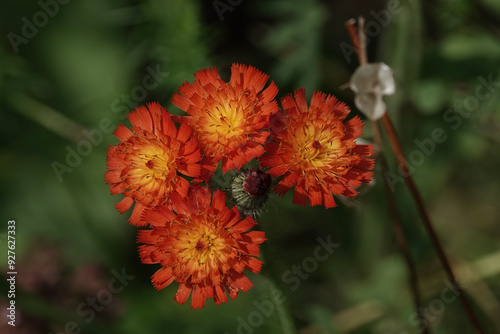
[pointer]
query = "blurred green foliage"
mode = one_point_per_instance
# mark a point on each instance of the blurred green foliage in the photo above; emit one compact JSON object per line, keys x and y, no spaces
{"x":87,"y":65}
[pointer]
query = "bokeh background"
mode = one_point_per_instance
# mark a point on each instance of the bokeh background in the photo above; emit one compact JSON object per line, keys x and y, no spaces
{"x":81,"y":66}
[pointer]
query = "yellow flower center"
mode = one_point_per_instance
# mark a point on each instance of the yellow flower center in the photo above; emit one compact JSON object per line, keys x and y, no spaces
{"x":223,"y":122}
{"x":201,"y":248}
{"x":153,"y":166}
{"x":156,"y":163}
{"x":315,"y":147}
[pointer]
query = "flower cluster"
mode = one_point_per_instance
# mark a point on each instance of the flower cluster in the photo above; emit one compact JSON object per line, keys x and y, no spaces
{"x":163,"y":166}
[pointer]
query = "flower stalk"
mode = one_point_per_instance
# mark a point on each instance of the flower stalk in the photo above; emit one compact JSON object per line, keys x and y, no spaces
{"x":358,"y":42}
{"x":389,"y":127}
{"x":397,"y":227}
{"x":360,"y":46}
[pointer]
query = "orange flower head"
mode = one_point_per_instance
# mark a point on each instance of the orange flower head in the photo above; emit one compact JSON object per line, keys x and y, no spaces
{"x":147,"y":164}
{"x":229,"y":119}
{"x":204,"y":246}
{"x":316,"y":151}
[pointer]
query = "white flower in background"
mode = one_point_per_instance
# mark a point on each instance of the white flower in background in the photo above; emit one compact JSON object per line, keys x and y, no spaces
{"x":371,"y":82}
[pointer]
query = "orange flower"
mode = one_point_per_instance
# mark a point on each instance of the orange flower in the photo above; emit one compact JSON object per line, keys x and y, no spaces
{"x":229,"y":119}
{"x":146,"y":164}
{"x":204,"y":246}
{"x":315,"y":151}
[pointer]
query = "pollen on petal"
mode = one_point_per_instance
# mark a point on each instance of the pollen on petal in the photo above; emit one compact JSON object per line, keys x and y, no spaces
{"x":182,"y":294}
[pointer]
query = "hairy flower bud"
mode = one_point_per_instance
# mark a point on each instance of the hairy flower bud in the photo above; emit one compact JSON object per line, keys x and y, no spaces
{"x":250,"y":190}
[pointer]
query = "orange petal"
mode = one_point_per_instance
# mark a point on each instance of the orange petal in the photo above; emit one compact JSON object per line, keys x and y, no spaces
{"x":123,"y":133}
{"x":124,"y":204}
{"x":219,"y":200}
{"x":182,"y":294}
{"x":162,"y":278}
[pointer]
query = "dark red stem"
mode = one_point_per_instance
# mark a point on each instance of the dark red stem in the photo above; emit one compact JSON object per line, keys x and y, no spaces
{"x":359,"y":41}
{"x":426,"y":220}
{"x":398,"y":231}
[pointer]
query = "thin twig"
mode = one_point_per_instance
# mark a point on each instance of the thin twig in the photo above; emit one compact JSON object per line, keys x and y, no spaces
{"x":399,"y":232}
{"x":359,"y":42}
{"x":363,"y":57}
{"x":353,"y":35}
{"x":427,"y":222}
